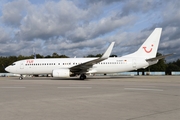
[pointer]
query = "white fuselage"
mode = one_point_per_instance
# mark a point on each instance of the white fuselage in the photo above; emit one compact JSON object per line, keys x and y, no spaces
{"x":46,"y":66}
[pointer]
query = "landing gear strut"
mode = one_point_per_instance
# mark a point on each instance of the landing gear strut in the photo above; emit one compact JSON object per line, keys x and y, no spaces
{"x":21,"y":77}
{"x":82,"y":77}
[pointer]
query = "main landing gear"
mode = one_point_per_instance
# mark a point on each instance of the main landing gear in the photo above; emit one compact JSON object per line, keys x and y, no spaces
{"x":21,"y":77}
{"x":82,"y":77}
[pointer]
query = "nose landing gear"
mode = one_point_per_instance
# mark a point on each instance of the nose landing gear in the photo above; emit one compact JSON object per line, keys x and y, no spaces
{"x":21,"y":77}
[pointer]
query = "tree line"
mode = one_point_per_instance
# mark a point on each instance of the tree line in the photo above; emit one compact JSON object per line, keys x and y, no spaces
{"x":162,"y":65}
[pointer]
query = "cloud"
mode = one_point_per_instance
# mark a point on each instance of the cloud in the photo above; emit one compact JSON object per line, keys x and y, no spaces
{"x":4,"y":37}
{"x":99,"y":28}
{"x":171,"y":30}
{"x":55,"y":19}
{"x":137,"y":6}
{"x":79,"y":28}
{"x":104,"y":1}
{"x":13,"y":12}
{"x":51,"y":19}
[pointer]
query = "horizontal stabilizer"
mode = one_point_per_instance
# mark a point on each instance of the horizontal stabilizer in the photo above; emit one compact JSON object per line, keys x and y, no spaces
{"x":159,"y":57}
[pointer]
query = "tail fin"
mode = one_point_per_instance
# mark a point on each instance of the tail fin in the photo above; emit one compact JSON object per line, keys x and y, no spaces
{"x":149,"y":48}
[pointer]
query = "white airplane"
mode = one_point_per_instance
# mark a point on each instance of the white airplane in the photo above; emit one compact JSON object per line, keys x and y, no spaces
{"x":69,"y":67}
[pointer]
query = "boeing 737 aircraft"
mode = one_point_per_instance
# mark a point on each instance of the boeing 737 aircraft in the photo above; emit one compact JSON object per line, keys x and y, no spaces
{"x":69,"y":67}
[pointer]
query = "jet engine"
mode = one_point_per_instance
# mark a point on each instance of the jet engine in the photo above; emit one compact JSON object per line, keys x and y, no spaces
{"x":61,"y":73}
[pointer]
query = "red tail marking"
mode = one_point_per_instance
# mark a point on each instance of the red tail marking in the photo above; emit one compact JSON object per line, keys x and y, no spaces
{"x":148,"y":51}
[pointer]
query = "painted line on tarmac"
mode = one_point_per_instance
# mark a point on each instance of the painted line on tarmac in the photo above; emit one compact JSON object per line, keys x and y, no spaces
{"x":143,"y":89}
{"x":74,"y":87}
{"x":12,"y":87}
{"x":140,"y":86}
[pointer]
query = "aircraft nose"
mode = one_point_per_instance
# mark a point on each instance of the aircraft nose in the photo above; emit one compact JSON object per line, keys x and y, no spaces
{"x":7,"y":69}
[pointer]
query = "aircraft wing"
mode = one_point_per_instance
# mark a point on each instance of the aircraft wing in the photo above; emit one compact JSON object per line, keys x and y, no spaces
{"x":159,"y":57}
{"x":81,"y":68}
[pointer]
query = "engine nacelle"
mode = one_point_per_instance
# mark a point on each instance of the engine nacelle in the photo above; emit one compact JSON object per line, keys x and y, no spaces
{"x":61,"y":73}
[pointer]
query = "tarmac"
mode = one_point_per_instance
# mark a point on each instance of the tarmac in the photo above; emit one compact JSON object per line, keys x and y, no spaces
{"x":96,"y":98}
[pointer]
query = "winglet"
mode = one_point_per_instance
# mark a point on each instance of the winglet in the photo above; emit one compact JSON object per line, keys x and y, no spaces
{"x":159,"y":57}
{"x":108,"y":51}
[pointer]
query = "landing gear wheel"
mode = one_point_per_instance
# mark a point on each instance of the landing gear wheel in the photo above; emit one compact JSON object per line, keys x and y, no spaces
{"x":21,"y":77}
{"x":82,"y":77}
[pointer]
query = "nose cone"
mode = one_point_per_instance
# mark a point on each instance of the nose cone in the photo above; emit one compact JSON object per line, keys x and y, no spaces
{"x":7,"y":69}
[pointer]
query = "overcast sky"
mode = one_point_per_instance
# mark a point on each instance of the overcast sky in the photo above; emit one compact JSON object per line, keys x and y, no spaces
{"x":83,"y":27}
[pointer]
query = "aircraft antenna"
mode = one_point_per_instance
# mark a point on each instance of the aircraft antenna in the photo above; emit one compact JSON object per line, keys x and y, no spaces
{"x":34,"y":53}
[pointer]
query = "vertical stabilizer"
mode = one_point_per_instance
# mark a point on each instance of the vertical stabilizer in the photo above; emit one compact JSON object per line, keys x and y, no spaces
{"x":149,"y":48}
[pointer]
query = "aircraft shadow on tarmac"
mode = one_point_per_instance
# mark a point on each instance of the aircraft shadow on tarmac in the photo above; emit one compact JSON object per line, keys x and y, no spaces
{"x":72,"y":78}
{"x":94,"y":77}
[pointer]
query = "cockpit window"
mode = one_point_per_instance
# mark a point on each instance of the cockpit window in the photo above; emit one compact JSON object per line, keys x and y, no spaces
{"x":13,"y":64}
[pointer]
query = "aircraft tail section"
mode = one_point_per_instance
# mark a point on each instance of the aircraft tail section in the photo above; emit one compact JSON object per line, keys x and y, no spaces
{"x":149,"y":48}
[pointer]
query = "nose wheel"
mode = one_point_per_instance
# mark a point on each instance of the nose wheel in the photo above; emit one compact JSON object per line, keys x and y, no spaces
{"x":21,"y":77}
